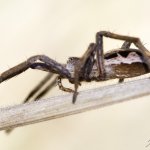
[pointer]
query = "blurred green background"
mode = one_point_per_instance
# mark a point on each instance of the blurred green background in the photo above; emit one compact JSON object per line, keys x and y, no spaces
{"x":61,"y":29}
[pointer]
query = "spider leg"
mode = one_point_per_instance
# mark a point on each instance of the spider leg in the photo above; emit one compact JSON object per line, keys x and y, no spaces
{"x":61,"y":87}
{"x":45,"y":64}
{"x":83,"y":68}
{"x":45,"y":90}
{"x":38,"y":87}
{"x":100,"y":56}
{"x":121,"y":80}
{"x":137,"y":42}
{"x":125,"y":45}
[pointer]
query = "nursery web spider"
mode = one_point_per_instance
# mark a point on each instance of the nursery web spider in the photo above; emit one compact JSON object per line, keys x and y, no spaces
{"x":92,"y":66}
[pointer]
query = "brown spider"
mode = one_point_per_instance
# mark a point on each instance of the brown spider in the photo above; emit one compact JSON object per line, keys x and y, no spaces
{"x":92,"y":66}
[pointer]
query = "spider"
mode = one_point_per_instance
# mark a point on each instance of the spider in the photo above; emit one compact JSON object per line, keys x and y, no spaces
{"x":121,"y":63}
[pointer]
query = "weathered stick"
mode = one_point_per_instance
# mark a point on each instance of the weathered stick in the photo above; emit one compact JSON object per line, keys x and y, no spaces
{"x":61,"y":106}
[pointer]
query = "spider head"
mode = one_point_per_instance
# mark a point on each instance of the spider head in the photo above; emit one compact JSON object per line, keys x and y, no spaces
{"x":72,"y":61}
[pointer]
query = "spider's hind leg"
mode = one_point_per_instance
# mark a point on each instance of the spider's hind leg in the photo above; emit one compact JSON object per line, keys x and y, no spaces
{"x":125,"y":45}
{"x":137,"y":42}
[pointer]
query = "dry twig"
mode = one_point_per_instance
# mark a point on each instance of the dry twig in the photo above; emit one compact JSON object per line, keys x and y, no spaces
{"x":61,"y":106}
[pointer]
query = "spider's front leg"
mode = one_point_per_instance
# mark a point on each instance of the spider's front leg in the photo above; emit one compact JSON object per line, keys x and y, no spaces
{"x":40,"y":62}
{"x":61,"y":87}
{"x":84,"y":68}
